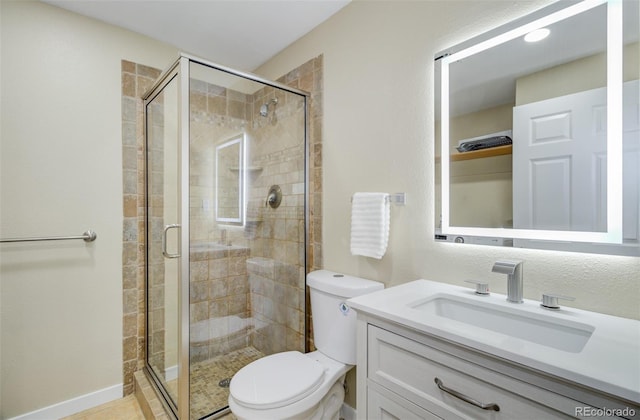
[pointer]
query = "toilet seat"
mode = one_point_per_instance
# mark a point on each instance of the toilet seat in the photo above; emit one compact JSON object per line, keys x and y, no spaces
{"x":277,"y":380}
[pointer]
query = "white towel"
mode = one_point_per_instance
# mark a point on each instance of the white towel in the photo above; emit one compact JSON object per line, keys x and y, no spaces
{"x":370,"y":224}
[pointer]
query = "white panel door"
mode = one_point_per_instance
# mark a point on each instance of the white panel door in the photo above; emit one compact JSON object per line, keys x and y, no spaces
{"x":557,"y":153}
{"x":560,"y":167}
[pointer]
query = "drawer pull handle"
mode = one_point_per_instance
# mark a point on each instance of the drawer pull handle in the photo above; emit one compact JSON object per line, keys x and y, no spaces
{"x":490,"y":406}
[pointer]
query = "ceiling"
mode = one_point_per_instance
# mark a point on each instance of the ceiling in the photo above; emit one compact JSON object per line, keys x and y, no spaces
{"x":242,"y":34}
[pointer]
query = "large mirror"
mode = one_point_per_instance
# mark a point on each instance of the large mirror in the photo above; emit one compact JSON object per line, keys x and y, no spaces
{"x":230,"y":181}
{"x":538,"y":140}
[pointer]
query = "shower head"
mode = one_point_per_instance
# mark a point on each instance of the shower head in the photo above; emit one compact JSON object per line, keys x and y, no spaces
{"x":264,"y":109}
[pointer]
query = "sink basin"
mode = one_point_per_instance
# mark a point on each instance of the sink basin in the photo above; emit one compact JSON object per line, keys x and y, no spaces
{"x":544,"y":330}
{"x":595,"y":350}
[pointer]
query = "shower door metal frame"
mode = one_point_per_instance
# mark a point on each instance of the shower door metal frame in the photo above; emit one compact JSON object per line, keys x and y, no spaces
{"x":181,"y":70}
{"x":184,"y":403}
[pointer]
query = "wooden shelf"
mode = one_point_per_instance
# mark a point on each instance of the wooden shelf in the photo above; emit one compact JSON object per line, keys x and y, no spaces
{"x":483,"y":153}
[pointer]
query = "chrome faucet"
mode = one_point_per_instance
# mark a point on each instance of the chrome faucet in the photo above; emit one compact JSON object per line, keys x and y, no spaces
{"x":513,"y":270}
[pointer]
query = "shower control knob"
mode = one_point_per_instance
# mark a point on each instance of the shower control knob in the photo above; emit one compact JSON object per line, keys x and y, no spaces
{"x":274,"y":197}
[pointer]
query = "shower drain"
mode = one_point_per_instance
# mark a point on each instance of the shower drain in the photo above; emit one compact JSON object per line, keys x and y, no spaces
{"x":224,"y":383}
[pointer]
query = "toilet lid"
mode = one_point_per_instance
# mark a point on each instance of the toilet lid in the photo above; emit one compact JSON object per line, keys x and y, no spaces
{"x":276,"y":380}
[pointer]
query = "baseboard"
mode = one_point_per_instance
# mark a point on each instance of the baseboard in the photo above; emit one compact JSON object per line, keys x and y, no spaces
{"x":347,"y":412}
{"x":74,"y":405}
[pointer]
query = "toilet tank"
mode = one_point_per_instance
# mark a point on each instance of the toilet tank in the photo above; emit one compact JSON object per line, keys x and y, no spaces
{"x":334,"y":322}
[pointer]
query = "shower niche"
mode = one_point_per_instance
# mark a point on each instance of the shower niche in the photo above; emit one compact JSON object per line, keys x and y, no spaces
{"x":225,"y":272}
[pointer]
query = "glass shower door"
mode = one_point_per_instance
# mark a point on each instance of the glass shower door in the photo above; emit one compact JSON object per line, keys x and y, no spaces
{"x":247,"y":237}
{"x":163,"y":228}
{"x":226,"y":230}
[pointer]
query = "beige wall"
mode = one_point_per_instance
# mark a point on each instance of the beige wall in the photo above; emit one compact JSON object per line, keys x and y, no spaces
{"x":61,"y":160}
{"x":378,"y":136}
{"x":576,"y":76}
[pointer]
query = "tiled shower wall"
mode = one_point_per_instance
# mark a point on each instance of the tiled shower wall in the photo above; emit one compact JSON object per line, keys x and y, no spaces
{"x":272,"y":234}
{"x":217,"y":115}
{"x":136,"y":80}
{"x":273,"y":307}
{"x":219,"y":292}
{"x":277,"y":264}
{"x":156,"y":310}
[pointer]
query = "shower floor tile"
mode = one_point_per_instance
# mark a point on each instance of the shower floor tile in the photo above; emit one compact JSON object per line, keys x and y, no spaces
{"x":206,"y":395}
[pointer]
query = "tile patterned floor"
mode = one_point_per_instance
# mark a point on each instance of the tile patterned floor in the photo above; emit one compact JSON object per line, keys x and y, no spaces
{"x":126,"y":408}
{"x":206,"y":395}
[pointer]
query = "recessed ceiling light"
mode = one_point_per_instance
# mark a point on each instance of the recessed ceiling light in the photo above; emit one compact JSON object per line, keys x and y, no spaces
{"x":537,"y":35}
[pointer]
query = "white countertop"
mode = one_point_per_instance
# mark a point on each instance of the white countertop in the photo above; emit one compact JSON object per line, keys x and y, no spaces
{"x":609,"y":362}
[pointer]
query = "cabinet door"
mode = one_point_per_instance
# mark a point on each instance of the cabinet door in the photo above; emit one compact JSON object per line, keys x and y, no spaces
{"x":409,"y":369}
{"x":385,"y":405}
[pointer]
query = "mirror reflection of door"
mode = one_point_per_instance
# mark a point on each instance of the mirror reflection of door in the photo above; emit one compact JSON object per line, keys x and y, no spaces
{"x":557,"y":177}
{"x":559,"y":163}
{"x":564,"y":143}
{"x":491,"y":90}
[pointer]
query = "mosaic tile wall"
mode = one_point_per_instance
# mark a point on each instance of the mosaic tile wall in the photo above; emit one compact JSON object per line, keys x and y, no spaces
{"x":218,"y":301}
{"x":157,"y":270}
{"x":276,"y":300}
{"x":136,"y":80}
{"x":270,"y":233}
{"x":277,"y":266}
{"x":217,"y":115}
{"x":309,"y":77}
{"x":219,"y":293}
{"x":274,"y":236}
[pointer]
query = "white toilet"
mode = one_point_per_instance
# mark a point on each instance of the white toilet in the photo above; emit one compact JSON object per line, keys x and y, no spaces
{"x":293,"y":385}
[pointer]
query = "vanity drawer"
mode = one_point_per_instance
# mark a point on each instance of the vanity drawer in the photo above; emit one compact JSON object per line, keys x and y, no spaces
{"x":384,"y":404}
{"x":409,"y":369}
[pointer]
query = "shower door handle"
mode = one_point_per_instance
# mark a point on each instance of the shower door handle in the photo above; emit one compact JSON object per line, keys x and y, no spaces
{"x":164,"y":241}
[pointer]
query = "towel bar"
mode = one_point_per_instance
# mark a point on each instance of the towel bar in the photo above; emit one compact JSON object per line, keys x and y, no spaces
{"x":399,"y":199}
{"x":88,"y":236}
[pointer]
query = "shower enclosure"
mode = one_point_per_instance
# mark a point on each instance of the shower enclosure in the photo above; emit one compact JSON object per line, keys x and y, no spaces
{"x":226,"y":229}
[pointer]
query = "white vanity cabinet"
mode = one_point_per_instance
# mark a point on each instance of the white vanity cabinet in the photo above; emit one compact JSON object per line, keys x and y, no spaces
{"x":398,"y":367}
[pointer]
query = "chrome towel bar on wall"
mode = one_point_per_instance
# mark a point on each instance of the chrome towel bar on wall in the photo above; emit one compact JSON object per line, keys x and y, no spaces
{"x":88,"y":236}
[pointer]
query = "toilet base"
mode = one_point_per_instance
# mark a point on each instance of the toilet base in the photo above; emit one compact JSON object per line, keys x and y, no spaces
{"x":329,"y":407}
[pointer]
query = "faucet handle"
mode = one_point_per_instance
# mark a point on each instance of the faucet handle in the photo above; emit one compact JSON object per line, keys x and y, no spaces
{"x":482,"y":288}
{"x":550,"y":300}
